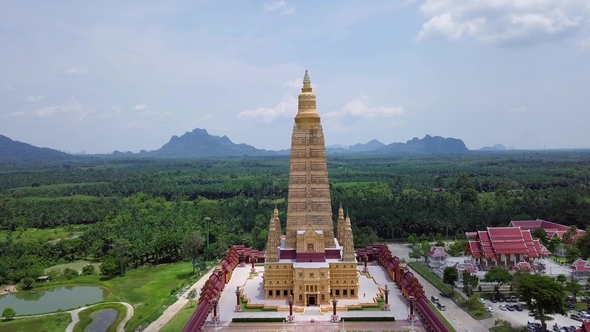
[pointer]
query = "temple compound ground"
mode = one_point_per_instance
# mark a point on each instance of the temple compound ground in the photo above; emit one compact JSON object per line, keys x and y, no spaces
{"x":311,"y":318}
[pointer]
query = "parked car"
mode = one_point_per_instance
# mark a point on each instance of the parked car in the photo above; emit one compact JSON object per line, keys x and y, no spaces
{"x":434,"y":299}
{"x":513,"y":299}
{"x":584,"y":314}
{"x":494,"y":300}
{"x":578,"y":317}
{"x":482,"y":300}
{"x":509,"y":307}
{"x":570,"y":299}
{"x":533,"y":313}
{"x":444,"y":295}
{"x":518,"y":307}
{"x":441,"y":306}
{"x":489,"y":309}
{"x":502,"y":307}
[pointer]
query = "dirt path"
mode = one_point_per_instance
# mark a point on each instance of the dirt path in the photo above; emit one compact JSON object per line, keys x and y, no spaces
{"x":172,"y":310}
{"x":9,"y":289}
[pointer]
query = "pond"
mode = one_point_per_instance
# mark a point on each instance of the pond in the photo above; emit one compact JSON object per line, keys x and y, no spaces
{"x":102,"y":320}
{"x":50,"y":300}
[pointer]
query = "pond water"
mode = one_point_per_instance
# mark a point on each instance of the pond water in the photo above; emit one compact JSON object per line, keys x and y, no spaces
{"x":102,"y":320}
{"x":50,"y":300}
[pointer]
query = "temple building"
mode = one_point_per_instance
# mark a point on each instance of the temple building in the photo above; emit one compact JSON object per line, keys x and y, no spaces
{"x":309,"y":262}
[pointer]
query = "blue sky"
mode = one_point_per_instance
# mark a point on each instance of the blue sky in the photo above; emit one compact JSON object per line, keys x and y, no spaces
{"x":113,"y":75}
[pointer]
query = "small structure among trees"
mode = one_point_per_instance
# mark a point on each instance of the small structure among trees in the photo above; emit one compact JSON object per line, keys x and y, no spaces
{"x":437,"y":257}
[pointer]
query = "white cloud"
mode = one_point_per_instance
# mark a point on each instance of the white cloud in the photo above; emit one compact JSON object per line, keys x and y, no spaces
{"x":288,"y":106}
{"x":139,"y":107}
{"x":77,"y":70}
{"x":70,"y":106}
{"x":6,"y":87}
{"x":117,"y":108}
{"x":518,"y":109}
{"x":281,"y":6}
{"x":360,"y":107}
{"x":16,"y":114}
{"x":503,"y":21}
{"x":34,"y":99}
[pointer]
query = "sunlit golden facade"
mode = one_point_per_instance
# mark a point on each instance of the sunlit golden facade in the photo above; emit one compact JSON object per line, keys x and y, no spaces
{"x":309,"y":263}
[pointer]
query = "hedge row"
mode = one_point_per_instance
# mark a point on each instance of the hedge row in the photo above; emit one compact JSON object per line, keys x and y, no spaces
{"x":368,"y":319}
{"x":258,"y":319}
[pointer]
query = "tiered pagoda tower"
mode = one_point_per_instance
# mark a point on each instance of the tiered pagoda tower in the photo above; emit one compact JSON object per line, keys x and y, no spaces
{"x":309,"y":263}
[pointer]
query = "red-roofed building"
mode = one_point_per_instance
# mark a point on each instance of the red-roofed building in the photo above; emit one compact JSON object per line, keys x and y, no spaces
{"x":552,"y":229}
{"x":580,"y":268}
{"x":461,"y":267}
{"x":522,"y":266}
{"x":585,"y":327}
{"x":505,"y":246}
{"x":437,"y":256}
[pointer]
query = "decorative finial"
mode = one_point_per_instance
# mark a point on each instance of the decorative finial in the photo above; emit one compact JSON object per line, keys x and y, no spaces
{"x":306,"y":77}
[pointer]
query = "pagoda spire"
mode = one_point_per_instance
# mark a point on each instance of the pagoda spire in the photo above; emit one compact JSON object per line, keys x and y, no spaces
{"x":340,"y":225}
{"x":348,"y":254}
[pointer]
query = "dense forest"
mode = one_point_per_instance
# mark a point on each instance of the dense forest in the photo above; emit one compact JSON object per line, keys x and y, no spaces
{"x":153,"y":203}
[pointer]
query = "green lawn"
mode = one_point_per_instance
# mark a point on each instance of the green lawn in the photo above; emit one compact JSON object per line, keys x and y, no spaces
{"x":78,"y":265}
{"x":503,"y":329}
{"x":178,"y":322}
{"x":53,"y":323}
{"x":147,"y":289}
{"x":85,"y":318}
{"x":43,"y":235}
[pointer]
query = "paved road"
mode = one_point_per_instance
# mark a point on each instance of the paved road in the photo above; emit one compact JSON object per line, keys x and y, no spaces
{"x":172,"y":310}
{"x":460,"y":319}
{"x":120,"y":328}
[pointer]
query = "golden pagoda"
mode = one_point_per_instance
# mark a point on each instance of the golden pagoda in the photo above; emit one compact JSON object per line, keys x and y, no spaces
{"x":309,"y":263}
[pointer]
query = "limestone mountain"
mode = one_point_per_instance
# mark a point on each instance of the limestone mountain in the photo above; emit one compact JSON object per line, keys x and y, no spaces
{"x":17,"y":151}
{"x":427,"y":145}
{"x":497,"y":147}
{"x":199,"y":143}
{"x":369,"y":146}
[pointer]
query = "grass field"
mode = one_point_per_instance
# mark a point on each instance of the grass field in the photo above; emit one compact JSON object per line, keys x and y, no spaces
{"x":78,"y":265}
{"x":43,"y":235}
{"x":180,"y":319}
{"x":85,"y":316}
{"x":147,"y":289}
{"x":503,"y":329}
{"x":53,"y":323}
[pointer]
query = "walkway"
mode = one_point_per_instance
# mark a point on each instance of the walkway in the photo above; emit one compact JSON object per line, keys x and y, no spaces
{"x":76,"y":318}
{"x":172,"y":310}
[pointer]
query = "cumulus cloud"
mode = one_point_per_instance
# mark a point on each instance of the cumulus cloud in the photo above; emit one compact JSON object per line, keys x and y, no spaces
{"x":360,"y":107}
{"x":139,"y":107}
{"x":77,"y":70}
{"x":34,"y":99}
{"x":518,"y":109}
{"x":504,"y":22}
{"x":288,"y":106}
{"x":280,"y":6}
{"x":70,"y":106}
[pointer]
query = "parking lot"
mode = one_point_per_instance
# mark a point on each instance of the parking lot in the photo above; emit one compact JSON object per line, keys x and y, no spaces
{"x":519,"y":318}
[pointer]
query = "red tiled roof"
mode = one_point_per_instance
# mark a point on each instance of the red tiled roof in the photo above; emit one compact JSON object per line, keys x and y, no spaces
{"x":437,"y":252}
{"x":580,"y":266}
{"x":585,"y":327}
{"x":460,"y":267}
{"x":534,"y":224}
{"x":504,"y":240}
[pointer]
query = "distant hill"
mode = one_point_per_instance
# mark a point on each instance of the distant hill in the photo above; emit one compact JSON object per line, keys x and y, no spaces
{"x":199,"y":143}
{"x":497,"y":147}
{"x":16,"y":151}
{"x":427,"y":145}
{"x":369,"y":146}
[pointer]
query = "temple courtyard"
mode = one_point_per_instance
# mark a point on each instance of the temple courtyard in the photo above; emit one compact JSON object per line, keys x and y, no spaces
{"x":312,"y":318}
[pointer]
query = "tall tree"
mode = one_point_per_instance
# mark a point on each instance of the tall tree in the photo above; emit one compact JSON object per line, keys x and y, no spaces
{"x":540,"y":234}
{"x":542,"y":294}
{"x":120,"y":248}
{"x":574,"y":287}
{"x":450,"y":276}
{"x":498,"y":275}
{"x":192,"y":246}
